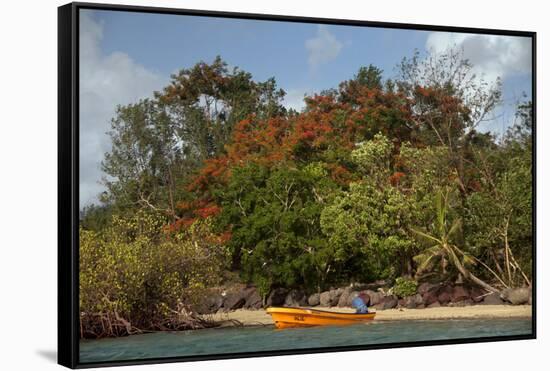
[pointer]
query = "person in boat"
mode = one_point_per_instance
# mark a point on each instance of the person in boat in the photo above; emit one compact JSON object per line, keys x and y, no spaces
{"x":360,"y":303}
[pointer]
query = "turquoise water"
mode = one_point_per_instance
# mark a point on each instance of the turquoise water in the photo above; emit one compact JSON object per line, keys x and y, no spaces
{"x":267,"y":338}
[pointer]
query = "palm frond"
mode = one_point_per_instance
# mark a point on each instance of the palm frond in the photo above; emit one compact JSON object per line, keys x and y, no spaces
{"x":426,"y":236}
{"x":441,"y":211}
{"x":425,"y":259}
{"x":455,"y":227}
{"x":468,"y":259}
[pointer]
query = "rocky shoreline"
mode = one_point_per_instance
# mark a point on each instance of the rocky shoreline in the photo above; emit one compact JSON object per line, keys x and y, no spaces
{"x":246,"y":317}
{"x":381,"y":298}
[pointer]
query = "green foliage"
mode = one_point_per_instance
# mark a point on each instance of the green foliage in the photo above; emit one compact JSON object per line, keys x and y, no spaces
{"x":274,"y":218}
{"x":157,"y":144}
{"x":498,"y":217}
{"x":373,"y":157}
{"x":131,"y":272}
{"x":208,"y":100}
{"x":366,"y":78}
{"x":375,"y":179}
{"x":95,"y":217}
{"x":404,"y":287}
{"x":367,"y":228}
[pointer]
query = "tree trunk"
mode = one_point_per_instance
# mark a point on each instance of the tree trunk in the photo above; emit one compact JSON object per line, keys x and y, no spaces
{"x":466,"y":273}
{"x":481,"y":283}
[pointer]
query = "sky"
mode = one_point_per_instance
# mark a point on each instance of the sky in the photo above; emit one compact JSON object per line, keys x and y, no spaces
{"x":126,"y":56}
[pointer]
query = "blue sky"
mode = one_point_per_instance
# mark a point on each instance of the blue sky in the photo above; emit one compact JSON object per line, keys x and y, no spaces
{"x":125,"y":56}
{"x":165,"y":43}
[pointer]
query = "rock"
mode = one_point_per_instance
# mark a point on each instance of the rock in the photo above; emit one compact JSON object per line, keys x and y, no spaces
{"x":336,"y":294}
{"x":425,"y":287}
{"x":435,"y":304}
{"x":476,"y":294}
{"x":431,"y":295}
{"x":237,"y":299}
{"x":330,"y":298}
{"x":254,"y":301}
{"x":295,"y":298}
{"x":276,"y":297}
{"x":346,"y":297}
{"x":459,"y":294}
{"x":529,"y":302}
{"x":413,"y":301}
{"x":324,"y":299}
{"x":363,"y":294}
{"x":444,"y":298}
{"x":234,"y":300}
{"x":516,"y":296}
{"x":492,"y":299}
{"x":211,"y":304}
{"x":390,"y":302}
{"x":375,"y":297}
{"x":313,"y":299}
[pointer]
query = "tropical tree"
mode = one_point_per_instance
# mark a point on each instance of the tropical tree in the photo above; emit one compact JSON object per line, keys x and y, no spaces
{"x":442,"y":245}
{"x":499,"y":215}
{"x":207,"y":100}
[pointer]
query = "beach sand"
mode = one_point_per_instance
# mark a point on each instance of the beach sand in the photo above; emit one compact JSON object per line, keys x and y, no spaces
{"x":260,"y":317}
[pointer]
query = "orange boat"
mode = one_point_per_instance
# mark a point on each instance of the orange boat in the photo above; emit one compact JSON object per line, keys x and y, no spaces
{"x":285,"y":317}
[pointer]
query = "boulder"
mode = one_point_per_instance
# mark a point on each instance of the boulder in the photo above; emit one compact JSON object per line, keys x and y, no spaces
{"x":211,"y":304}
{"x":476,"y":294}
{"x":295,"y":298}
{"x":388,"y":302}
{"x":346,"y":297}
{"x":413,"y":301}
{"x":516,"y":296}
{"x":425,"y":287}
{"x":530,"y":301}
{"x":375,"y":297}
{"x":435,"y":304}
{"x":313,"y":300}
{"x":234,"y":300}
{"x":444,"y":298}
{"x":492,"y":299}
{"x":254,"y":301}
{"x":324,"y":299}
{"x":364,"y":295}
{"x":330,"y":298}
{"x":431,"y":295}
{"x":444,"y":294}
{"x":459,"y":293}
{"x":276,"y":297}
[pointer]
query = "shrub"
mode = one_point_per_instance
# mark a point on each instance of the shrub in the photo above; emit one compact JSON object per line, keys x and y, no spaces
{"x":404,"y":287}
{"x":134,"y":277}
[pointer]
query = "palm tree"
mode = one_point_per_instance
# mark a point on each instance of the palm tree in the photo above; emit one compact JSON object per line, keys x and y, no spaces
{"x":441,"y":246}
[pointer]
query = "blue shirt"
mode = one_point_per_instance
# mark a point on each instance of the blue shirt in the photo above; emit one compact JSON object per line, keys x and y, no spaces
{"x":359,"y":305}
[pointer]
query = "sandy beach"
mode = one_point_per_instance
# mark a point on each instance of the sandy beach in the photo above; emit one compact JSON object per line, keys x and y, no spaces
{"x":260,"y":317}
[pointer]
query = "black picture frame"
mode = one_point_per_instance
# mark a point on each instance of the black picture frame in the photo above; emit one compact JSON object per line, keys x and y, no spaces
{"x":68,"y":179}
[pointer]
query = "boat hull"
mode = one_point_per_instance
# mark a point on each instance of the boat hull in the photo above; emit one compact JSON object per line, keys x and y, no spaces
{"x":306,"y":317}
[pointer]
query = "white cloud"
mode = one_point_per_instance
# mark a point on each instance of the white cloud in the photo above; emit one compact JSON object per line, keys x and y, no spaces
{"x":294,"y":98}
{"x":491,"y":55}
{"x":322,"y":48}
{"x":106,"y":80}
